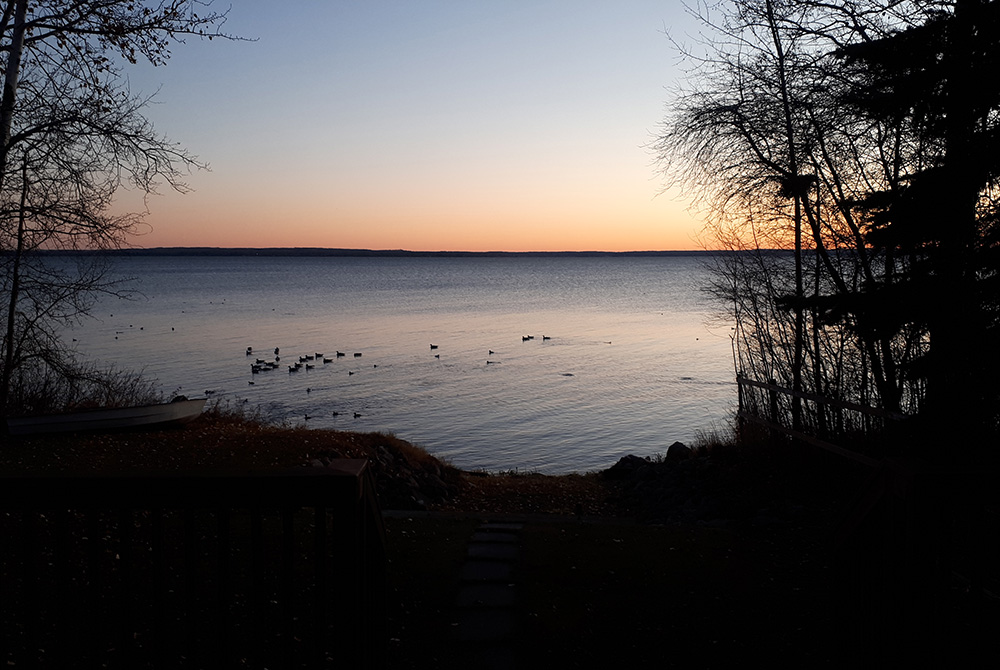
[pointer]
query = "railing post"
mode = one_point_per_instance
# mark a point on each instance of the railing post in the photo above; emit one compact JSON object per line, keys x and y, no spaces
{"x":772,"y":395}
{"x":741,"y":408}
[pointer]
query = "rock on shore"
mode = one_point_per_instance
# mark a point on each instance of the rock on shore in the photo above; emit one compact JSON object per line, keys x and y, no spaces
{"x":403,"y":482}
{"x":688,"y":486}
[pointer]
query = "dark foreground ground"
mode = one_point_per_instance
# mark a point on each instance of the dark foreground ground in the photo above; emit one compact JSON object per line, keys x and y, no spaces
{"x":597,"y":594}
{"x":724,"y":558}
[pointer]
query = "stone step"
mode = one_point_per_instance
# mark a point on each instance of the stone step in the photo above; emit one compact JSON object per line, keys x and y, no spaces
{"x":496,"y":551}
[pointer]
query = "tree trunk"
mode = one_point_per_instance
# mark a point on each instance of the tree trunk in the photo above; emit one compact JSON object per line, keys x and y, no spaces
{"x":957,"y":329}
{"x":11,"y":75}
{"x":796,"y":183}
{"x":9,"y":356}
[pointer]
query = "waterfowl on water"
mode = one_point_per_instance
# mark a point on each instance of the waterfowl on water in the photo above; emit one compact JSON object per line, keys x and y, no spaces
{"x":357,"y":355}
{"x":434,"y":346}
{"x":340,"y":353}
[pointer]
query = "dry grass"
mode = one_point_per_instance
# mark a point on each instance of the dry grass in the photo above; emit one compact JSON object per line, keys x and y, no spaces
{"x":515,"y":494}
{"x":227,"y":441}
{"x":216,"y":441}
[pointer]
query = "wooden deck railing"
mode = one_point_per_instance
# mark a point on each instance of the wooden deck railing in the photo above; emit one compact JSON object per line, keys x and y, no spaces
{"x":276,"y":570}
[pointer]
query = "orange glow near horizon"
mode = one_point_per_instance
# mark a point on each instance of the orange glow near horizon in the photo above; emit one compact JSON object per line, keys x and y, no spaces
{"x":428,"y":231}
{"x":622,"y":218}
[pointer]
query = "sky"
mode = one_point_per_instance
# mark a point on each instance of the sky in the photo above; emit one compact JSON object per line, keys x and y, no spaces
{"x":422,"y":125}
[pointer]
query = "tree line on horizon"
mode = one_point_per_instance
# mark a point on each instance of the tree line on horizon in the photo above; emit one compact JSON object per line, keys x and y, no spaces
{"x":864,"y":137}
{"x":322,"y":251}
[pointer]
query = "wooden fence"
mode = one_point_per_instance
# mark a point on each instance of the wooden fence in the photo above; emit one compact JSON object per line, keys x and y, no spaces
{"x":276,"y":570}
{"x":861,"y":431}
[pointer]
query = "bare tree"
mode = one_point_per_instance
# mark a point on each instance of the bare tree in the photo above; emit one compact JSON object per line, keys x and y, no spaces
{"x":71,"y":135}
{"x":766,"y":141}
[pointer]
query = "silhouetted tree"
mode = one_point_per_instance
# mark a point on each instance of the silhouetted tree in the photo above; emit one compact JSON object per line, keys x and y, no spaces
{"x":935,"y":81}
{"x":821,"y":127}
{"x":746,"y":137}
{"x":71,"y":135}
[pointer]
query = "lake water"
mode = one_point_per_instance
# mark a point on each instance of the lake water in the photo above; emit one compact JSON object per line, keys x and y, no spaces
{"x":634,"y":359}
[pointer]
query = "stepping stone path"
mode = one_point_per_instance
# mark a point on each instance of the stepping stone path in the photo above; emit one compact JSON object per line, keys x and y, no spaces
{"x":486,"y":618}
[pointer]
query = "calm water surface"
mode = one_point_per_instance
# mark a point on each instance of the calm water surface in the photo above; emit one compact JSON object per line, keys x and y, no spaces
{"x":635,"y":360}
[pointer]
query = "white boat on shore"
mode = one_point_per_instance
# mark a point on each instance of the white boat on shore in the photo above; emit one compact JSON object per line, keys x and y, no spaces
{"x":179,"y":410}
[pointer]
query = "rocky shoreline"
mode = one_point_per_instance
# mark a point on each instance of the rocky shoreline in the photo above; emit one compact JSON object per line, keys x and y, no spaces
{"x":718,"y":485}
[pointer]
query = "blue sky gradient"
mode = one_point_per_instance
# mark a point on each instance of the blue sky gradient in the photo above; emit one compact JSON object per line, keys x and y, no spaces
{"x":423,"y":125}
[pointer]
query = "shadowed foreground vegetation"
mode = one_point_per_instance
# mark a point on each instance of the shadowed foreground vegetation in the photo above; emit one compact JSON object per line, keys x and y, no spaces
{"x":723,"y":557}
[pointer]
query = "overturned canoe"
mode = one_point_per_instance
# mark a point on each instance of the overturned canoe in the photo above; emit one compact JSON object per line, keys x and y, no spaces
{"x":180,"y":410}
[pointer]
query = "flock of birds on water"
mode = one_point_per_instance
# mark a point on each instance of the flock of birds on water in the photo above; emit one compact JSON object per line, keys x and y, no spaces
{"x":310,"y":361}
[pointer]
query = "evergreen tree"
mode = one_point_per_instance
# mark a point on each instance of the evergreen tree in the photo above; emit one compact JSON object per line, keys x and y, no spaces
{"x":936,"y":82}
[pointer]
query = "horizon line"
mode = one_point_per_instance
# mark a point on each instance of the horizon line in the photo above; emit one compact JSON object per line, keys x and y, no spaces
{"x":363,"y":250}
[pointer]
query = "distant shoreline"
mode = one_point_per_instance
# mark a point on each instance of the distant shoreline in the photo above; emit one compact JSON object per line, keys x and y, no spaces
{"x":320,"y":251}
